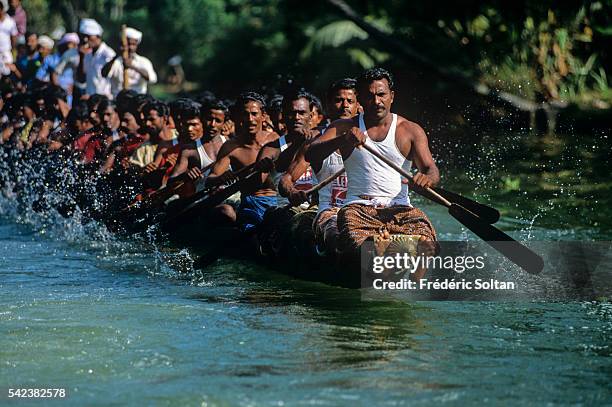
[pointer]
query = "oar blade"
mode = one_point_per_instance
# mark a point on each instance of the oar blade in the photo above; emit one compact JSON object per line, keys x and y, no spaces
{"x":506,"y":245}
{"x":485,"y":212}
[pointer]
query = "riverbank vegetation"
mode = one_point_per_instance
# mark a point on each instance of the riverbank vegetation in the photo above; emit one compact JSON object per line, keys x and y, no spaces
{"x":542,"y":51}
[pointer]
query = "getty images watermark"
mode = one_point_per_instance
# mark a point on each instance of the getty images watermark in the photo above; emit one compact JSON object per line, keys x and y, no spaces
{"x":389,"y":266}
{"x":477,"y":271}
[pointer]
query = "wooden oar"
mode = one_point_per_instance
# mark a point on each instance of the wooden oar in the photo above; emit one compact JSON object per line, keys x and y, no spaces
{"x":484,"y":212}
{"x":167,"y":189}
{"x":237,"y":174}
{"x":320,"y":185}
{"x":125,"y":55}
{"x":506,"y":245}
{"x":207,"y":194}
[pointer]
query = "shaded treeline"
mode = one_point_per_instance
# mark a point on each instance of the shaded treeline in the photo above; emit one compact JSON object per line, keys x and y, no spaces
{"x":540,"y":50}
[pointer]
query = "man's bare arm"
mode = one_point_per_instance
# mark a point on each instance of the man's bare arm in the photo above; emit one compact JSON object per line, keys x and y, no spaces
{"x":326,"y":144}
{"x":221,"y":166}
{"x":181,"y":167}
{"x":296,"y":169}
{"x":428,"y":174}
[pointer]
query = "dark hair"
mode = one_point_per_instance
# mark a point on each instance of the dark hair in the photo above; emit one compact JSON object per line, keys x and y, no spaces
{"x":275,"y":104}
{"x":205,"y":98}
{"x":78,"y":112}
{"x":142,"y":99}
{"x":296,"y":94}
{"x":95,"y":100}
{"x":51,"y":93}
{"x":316,"y":102}
{"x":126,"y":102}
{"x":177,"y":106}
{"x":247,"y":97}
{"x":374,"y":74}
{"x":160,"y":107}
{"x":190,"y":109}
{"x":216,"y":105}
{"x":124,"y":95}
{"x":345,"y":83}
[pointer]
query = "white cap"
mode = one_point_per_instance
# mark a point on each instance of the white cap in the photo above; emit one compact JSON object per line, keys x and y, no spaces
{"x":175,"y":60}
{"x":69,"y":37}
{"x":89,"y":26}
{"x":133,"y":34}
{"x":45,"y":41}
{"x":5,"y":5}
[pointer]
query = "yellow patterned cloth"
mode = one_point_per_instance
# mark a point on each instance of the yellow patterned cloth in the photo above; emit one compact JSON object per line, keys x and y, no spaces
{"x":357,"y":222}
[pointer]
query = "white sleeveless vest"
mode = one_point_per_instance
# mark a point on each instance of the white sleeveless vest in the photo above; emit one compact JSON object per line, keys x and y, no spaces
{"x":334,"y":193}
{"x":205,"y":161}
{"x":371,"y":181}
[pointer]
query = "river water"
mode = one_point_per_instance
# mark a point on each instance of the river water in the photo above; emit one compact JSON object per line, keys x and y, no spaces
{"x":116,"y":321}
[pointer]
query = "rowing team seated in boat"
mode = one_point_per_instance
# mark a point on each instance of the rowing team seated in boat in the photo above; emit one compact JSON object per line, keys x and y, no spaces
{"x":151,"y":154}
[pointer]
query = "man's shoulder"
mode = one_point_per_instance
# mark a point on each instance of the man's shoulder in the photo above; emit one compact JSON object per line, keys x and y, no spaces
{"x":228,"y":147}
{"x":409,"y":128}
{"x":106,"y":50}
{"x":268,"y":136}
{"x":273,"y":144}
{"x":142,"y":59}
{"x":8,"y":22}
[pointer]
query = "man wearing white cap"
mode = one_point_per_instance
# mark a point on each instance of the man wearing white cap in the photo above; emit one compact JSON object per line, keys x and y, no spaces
{"x":140,"y":70}
{"x":58,"y":69}
{"x":64,"y":72}
{"x":98,"y":54}
{"x":46,"y":58}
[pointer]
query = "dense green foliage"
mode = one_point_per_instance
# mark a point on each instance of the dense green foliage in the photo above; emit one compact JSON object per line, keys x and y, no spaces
{"x":542,"y":50}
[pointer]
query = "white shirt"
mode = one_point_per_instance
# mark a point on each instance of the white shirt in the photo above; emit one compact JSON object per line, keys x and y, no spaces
{"x":93,"y":64}
{"x":371,"y":181}
{"x":8,"y":28}
{"x":135,"y":80}
{"x":334,"y":193}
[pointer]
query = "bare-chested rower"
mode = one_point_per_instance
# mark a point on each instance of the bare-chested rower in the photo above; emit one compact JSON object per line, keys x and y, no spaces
{"x":242,"y":151}
{"x":200,"y":144}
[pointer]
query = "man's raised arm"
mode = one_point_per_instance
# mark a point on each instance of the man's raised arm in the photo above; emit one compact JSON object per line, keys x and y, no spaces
{"x":323,"y":146}
{"x":428,"y":175}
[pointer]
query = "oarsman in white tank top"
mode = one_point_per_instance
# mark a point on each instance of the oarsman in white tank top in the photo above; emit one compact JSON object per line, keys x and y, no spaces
{"x":200,"y":143}
{"x":377,"y":200}
{"x":341,"y":104}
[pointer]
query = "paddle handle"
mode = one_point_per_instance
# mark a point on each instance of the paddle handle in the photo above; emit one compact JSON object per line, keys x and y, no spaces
{"x":320,"y":185}
{"x":433,"y":195}
{"x":326,"y":181}
{"x":125,"y":55}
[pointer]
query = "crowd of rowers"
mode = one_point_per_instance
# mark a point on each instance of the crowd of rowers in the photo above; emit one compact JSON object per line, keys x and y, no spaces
{"x":205,"y":143}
